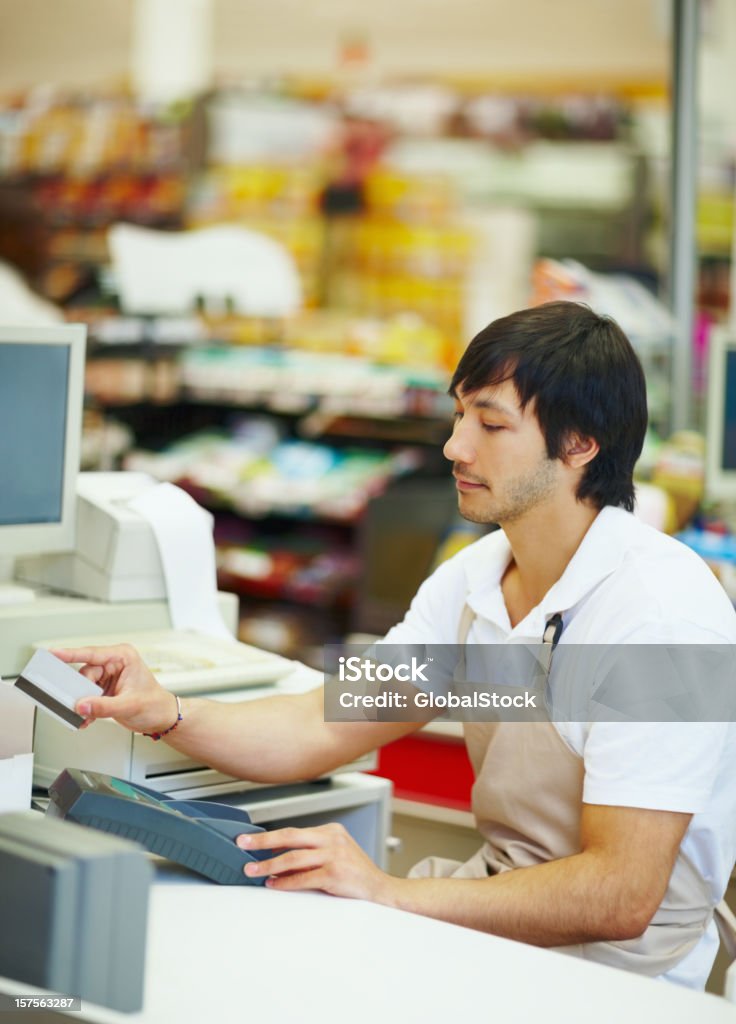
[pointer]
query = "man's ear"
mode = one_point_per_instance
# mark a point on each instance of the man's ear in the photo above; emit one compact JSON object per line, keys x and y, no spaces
{"x":579,"y":450}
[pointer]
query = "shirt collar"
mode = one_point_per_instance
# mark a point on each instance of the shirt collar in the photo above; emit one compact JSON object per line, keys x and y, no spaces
{"x":600,"y":553}
{"x":484,"y":577}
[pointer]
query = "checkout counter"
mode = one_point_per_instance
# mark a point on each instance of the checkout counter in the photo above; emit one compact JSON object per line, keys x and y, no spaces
{"x":237,"y":955}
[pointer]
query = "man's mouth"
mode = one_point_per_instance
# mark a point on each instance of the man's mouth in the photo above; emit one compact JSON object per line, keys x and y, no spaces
{"x":464,"y":484}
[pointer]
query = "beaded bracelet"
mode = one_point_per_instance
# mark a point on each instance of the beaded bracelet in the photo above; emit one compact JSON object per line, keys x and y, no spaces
{"x":179,"y":718}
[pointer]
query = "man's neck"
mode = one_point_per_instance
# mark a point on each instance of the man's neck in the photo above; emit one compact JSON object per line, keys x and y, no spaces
{"x":542,"y":543}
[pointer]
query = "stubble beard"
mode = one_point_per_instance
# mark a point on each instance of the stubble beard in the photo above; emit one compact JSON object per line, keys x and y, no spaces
{"x":521,"y":495}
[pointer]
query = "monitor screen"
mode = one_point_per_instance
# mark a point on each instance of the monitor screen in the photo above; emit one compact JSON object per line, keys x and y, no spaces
{"x":41,"y":393}
{"x":728,"y":445}
{"x":33,"y":419}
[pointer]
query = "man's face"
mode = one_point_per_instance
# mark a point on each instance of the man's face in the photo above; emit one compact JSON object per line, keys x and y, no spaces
{"x":499,"y":456}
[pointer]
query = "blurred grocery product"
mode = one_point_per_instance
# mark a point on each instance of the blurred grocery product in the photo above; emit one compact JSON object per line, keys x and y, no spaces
{"x":680,"y":471}
{"x":224,"y":267}
{"x":258,"y":476}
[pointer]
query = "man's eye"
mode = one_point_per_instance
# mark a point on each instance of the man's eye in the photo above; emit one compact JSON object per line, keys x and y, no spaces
{"x":491,"y":427}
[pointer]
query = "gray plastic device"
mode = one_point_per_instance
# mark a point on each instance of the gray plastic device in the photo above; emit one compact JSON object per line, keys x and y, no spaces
{"x":198,"y":834}
{"x":74,"y":910}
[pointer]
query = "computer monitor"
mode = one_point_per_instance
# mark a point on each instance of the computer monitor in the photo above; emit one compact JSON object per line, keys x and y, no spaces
{"x":41,"y":395}
{"x":720,"y":452}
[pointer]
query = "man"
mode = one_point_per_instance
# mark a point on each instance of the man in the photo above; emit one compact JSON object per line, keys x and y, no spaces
{"x":613,"y":841}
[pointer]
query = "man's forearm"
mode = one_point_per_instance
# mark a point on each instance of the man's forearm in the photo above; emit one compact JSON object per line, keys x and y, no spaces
{"x":564,"y":902}
{"x":276,"y":739}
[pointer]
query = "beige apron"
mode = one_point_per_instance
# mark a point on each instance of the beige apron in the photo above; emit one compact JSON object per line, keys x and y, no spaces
{"x":527,"y":800}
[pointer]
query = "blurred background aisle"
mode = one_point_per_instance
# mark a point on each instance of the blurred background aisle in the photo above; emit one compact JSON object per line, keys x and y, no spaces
{"x":330,"y":202}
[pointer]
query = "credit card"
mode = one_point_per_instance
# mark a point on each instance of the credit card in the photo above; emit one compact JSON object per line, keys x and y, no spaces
{"x":55,"y":687}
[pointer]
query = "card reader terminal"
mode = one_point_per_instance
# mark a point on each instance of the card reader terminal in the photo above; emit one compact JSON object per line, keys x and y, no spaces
{"x":195,"y":833}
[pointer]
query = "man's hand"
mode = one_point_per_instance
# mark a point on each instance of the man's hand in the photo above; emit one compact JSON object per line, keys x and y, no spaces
{"x":607,"y":892}
{"x":129,"y":691}
{"x":325,"y":858}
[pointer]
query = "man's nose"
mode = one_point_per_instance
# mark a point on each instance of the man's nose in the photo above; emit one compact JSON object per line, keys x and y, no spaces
{"x":458,"y":447}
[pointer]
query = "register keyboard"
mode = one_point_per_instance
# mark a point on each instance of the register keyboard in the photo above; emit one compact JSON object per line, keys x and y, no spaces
{"x":188,"y":663}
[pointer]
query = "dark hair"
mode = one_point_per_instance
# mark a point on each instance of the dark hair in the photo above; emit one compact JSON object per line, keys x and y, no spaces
{"x":584,"y":377}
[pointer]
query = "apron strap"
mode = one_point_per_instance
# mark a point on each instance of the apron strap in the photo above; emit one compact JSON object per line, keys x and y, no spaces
{"x":726,"y":922}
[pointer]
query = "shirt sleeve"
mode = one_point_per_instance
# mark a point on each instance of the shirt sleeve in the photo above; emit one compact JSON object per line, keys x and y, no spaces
{"x":666,"y":766}
{"x":428,"y":632}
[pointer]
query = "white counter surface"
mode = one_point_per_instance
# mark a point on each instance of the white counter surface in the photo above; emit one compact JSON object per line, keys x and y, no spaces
{"x":244,"y":954}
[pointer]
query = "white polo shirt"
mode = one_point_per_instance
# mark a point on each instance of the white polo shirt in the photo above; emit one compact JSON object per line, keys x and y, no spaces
{"x":629,"y":584}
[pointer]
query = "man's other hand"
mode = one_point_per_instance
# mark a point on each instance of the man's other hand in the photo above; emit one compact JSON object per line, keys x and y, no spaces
{"x":325,"y":858}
